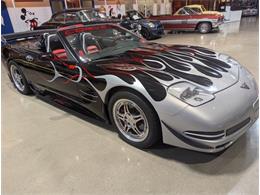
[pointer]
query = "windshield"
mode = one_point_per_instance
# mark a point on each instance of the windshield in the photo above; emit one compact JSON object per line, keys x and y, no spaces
{"x":196,"y":9}
{"x":94,"y":42}
{"x":203,"y":8}
{"x":134,"y":15}
{"x":190,"y":11}
{"x":86,"y":16}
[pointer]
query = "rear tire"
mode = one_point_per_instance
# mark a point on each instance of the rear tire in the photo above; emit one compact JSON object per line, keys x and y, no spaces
{"x":136,"y":121}
{"x":19,"y":79}
{"x":204,"y":27}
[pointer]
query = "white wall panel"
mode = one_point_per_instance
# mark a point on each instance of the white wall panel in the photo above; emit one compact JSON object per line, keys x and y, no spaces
{"x":42,"y":13}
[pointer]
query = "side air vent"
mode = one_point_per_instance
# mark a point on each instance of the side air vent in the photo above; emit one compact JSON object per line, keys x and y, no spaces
{"x":205,"y":135}
{"x":237,"y":127}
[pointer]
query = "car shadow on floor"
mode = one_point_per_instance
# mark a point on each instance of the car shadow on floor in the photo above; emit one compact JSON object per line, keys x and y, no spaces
{"x":235,"y":159}
{"x":180,"y":154}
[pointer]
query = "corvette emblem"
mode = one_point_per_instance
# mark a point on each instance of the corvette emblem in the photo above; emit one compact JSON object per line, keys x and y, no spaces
{"x":244,"y":86}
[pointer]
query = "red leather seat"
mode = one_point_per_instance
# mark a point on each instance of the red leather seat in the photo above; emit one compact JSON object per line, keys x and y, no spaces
{"x":60,"y":53}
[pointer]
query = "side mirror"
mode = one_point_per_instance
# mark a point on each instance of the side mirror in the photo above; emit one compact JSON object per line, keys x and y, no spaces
{"x":46,"y":56}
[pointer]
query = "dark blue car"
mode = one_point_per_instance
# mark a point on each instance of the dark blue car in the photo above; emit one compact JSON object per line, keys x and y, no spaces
{"x":149,"y":29}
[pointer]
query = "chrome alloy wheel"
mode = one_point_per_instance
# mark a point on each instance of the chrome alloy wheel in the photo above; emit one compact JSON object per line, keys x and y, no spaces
{"x":130,"y":120}
{"x":17,"y":78}
{"x":204,"y":28}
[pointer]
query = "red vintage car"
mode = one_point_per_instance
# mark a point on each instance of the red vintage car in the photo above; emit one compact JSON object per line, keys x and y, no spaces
{"x":187,"y":19}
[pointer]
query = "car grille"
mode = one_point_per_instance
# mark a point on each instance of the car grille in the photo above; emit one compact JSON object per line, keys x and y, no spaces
{"x":223,"y":145}
{"x":237,"y":127}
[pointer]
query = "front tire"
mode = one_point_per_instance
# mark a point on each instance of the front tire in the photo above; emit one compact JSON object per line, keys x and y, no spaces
{"x":204,"y":27}
{"x":19,"y":79}
{"x":146,"y":34}
{"x":135,"y":119}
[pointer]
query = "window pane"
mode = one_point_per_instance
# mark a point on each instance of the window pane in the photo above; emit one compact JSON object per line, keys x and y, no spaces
{"x":73,"y":3}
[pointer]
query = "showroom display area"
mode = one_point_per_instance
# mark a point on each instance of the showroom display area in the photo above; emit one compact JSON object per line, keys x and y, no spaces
{"x":117,"y":100}
{"x":36,"y":13}
{"x":48,"y":150}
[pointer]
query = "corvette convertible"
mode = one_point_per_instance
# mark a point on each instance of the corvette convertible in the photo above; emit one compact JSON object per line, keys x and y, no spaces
{"x":186,"y":96}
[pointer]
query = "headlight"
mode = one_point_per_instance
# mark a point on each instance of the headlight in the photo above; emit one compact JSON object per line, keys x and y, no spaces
{"x":151,"y":25}
{"x":191,"y":94}
{"x":228,"y":59}
{"x":139,"y":27}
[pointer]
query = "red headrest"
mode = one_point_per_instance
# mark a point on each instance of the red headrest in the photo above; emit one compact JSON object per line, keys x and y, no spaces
{"x":60,"y":53}
{"x":92,"y":49}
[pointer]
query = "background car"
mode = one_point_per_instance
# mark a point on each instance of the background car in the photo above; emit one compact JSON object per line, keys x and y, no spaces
{"x":186,"y":19}
{"x":201,"y":9}
{"x":249,"y":11}
{"x":142,"y":27}
{"x":150,"y":92}
{"x":74,"y":16}
{"x":149,"y":29}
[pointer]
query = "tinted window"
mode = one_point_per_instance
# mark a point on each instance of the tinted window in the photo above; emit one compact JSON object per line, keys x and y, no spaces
{"x":72,"y":17}
{"x":182,"y":12}
{"x":189,"y":11}
{"x":203,"y":8}
{"x":134,"y":15}
{"x":59,"y":18}
{"x":66,"y":18}
{"x":198,"y":10}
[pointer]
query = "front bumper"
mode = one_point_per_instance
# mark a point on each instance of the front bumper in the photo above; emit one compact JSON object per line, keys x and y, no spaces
{"x":214,"y":126}
{"x":157,"y":31}
{"x":217,"y":24}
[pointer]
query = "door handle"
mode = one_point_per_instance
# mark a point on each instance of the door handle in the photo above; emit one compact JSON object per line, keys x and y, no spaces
{"x":29,"y":58}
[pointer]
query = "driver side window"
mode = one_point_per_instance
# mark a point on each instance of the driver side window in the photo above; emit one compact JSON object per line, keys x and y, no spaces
{"x":182,"y":12}
{"x":55,"y":46}
{"x":198,"y":10}
{"x":59,"y":18}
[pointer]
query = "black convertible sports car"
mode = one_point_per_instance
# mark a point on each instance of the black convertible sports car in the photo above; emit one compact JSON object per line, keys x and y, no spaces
{"x":149,"y":92}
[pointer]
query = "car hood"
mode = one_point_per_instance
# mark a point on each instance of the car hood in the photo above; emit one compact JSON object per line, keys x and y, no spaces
{"x":167,"y":65}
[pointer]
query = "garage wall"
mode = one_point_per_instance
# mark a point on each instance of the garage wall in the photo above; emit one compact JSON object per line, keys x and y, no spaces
{"x":29,"y":3}
{"x":25,"y":14}
{"x":39,"y":14}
